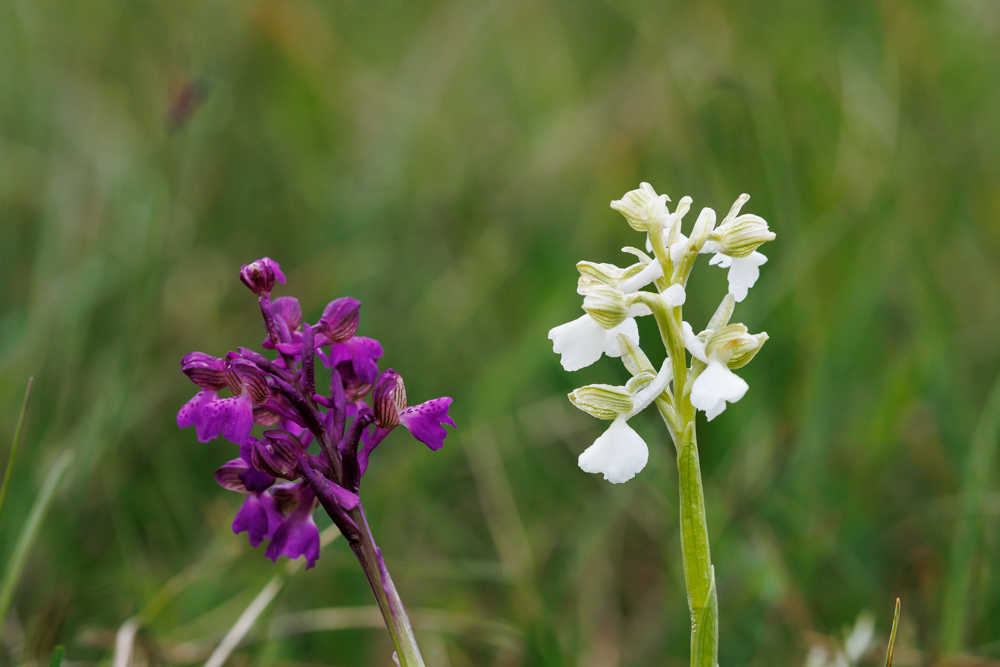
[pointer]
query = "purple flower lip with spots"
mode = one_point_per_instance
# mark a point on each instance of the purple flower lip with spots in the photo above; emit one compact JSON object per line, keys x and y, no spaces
{"x":342,"y":428}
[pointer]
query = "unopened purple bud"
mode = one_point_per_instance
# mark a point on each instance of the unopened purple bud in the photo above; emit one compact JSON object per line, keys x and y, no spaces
{"x":388,"y":399}
{"x":289,"y":310}
{"x":206,"y":371}
{"x":259,"y":276}
{"x":278,"y":454}
{"x":339,"y":321}
{"x":244,"y":375}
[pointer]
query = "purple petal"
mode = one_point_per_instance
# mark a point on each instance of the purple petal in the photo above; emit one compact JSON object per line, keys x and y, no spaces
{"x":231,"y":417}
{"x":363,"y":353}
{"x":289,"y":310}
{"x":230,"y":475}
{"x":369,"y":441}
{"x":190,"y":414}
{"x":278,"y":275}
{"x":346,"y":499}
{"x":426,"y":421}
{"x":297,"y":535}
{"x":259,"y":516}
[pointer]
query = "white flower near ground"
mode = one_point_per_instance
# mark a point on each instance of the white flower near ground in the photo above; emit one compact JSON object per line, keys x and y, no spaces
{"x":620,"y":453}
{"x":743,"y":271}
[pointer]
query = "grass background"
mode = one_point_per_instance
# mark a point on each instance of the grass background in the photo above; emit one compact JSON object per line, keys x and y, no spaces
{"x":447,"y":162}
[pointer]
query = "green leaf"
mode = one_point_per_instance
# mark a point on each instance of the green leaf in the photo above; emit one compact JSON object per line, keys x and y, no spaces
{"x":57,"y":656}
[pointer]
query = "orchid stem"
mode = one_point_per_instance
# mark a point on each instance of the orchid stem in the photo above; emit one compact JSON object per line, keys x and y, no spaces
{"x":389,"y":603}
{"x":699,"y":574}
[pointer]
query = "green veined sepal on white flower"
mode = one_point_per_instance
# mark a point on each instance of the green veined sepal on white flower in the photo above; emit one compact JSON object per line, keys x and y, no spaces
{"x":607,"y":305}
{"x":619,"y":453}
{"x":603,"y":401}
{"x":743,"y":235}
{"x":626,"y":280}
{"x":642,"y":207}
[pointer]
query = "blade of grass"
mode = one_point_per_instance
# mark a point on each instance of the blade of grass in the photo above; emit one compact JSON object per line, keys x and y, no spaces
{"x":57,"y":656}
{"x":250,"y":615}
{"x":965,"y":545}
{"x":892,"y":636}
{"x":13,"y":447}
{"x":30,"y":530}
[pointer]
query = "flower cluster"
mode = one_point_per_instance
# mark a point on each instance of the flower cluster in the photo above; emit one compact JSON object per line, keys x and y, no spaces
{"x":613,"y":297}
{"x":281,"y":396}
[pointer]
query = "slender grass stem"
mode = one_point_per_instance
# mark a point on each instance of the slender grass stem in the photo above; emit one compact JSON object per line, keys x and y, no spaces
{"x":30,"y":530}
{"x":13,"y":447}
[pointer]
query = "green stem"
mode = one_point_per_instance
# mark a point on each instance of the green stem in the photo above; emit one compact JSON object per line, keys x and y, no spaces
{"x":389,"y":603}
{"x":699,"y":575}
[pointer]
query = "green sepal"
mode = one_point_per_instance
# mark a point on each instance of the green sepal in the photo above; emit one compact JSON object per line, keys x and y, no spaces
{"x":603,"y":401}
{"x":634,"y":358}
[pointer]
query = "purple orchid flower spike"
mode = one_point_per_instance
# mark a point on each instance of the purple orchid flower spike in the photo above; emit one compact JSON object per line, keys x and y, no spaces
{"x":282,"y":481}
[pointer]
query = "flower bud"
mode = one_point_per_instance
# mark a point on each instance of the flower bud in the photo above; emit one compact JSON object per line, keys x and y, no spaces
{"x":388,"y":399}
{"x":723,"y":312}
{"x":289,"y":310}
{"x":592,"y":273}
{"x":277,"y":454}
{"x":634,"y":358}
{"x":340,"y":318}
{"x":641,"y":207}
{"x":723,"y":343}
{"x":259,"y":276}
{"x":742,"y":235}
{"x":606,"y":305}
{"x":603,"y":401}
{"x":747,"y":350}
{"x":243,"y":375}
{"x":703,"y":227}
{"x":204,"y":370}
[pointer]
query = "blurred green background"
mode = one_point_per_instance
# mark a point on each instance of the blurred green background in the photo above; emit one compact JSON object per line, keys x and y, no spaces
{"x":447,"y":162}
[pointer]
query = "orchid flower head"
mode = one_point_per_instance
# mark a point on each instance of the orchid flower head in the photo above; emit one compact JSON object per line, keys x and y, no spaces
{"x":613,"y":297}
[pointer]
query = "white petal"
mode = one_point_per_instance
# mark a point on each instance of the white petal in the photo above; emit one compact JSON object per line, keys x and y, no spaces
{"x":580,"y":342}
{"x":611,"y":346}
{"x":743,"y":273}
{"x":720,"y":260}
{"x":674,"y":295}
{"x":710,"y":246}
{"x":619,"y":453}
{"x":677,"y":248}
{"x":645,"y":396}
{"x":693,"y":344}
{"x":639,"y":309}
{"x":715,"y":387}
{"x":652,"y":271}
{"x":649,"y":244}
